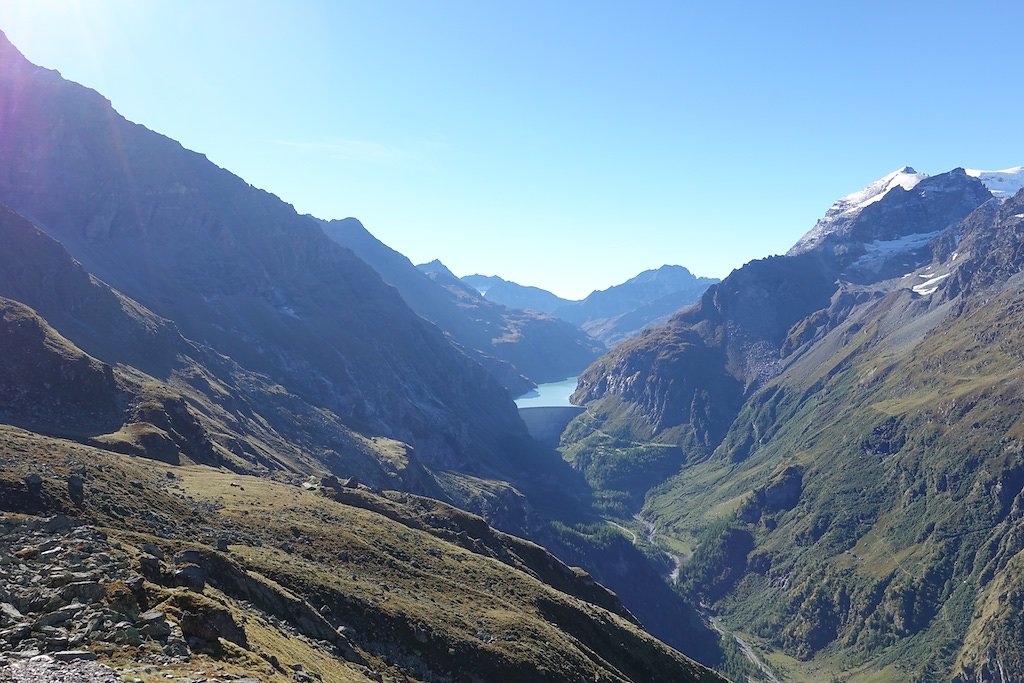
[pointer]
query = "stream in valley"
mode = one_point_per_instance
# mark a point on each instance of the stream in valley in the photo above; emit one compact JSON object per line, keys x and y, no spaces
{"x":650,"y":537}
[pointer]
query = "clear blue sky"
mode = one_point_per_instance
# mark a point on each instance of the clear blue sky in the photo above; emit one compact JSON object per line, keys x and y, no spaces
{"x":567,"y":145}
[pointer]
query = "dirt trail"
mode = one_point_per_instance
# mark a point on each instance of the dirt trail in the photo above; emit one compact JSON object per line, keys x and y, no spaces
{"x":623,"y":529}
{"x":745,"y":648}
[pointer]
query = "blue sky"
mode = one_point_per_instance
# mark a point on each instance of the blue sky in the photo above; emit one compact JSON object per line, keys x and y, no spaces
{"x":567,"y":145}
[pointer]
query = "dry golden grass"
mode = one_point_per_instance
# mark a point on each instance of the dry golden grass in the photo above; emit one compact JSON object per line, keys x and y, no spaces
{"x":412,"y":606}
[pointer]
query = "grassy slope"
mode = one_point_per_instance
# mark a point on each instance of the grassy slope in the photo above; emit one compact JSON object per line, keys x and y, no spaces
{"x":412,"y":604}
{"x":906,"y":524}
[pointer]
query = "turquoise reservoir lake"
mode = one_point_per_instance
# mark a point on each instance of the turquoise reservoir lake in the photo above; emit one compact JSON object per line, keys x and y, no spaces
{"x":552,"y":394}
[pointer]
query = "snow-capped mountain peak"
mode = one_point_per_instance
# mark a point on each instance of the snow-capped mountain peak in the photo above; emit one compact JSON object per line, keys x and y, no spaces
{"x":906,"y":177}
{"x":1002,"y":184}
{"x":841,"y":214}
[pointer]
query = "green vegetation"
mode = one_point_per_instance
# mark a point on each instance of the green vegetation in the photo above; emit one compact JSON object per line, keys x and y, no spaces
{"x":719,"y":559}
{"x":585,"y":539}
{"x":735,"y":665}
{"x":619,"y":470}
{"x":861,"y":517}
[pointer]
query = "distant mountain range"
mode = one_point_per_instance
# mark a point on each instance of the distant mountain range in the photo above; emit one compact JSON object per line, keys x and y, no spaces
{"x":513,"y":294}
{"x":518,"y":347}
{"x":612,"y":314}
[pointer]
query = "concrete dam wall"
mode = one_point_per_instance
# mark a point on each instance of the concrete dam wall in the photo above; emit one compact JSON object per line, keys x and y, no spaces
{"x":546,"y":424}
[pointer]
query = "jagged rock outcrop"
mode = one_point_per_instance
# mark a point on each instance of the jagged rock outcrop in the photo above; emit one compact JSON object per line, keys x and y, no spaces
{"x":991,"y":241}
{"x":887,"y":229}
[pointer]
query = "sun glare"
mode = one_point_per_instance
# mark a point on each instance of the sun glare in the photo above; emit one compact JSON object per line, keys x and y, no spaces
{"x":51,"y":24}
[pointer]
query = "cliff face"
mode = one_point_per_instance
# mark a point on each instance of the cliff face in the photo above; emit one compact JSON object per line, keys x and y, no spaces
{"x":237,"y":269}
{"x":688,"y":377}
{"x":995,"y":236}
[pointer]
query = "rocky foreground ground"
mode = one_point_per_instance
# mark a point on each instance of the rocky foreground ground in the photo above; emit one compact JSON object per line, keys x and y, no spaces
{"x":198,"y":574}
{"x":69,"y":594}
{"x":46,"y":669}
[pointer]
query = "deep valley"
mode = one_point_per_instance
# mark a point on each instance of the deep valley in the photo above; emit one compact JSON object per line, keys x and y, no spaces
{"x":240,"y":443}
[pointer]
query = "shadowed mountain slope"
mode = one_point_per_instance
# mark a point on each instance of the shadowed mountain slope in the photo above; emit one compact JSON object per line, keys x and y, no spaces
{"x":46,"y":381}
{"x":237,"y":269}
{"x":176,"y":400}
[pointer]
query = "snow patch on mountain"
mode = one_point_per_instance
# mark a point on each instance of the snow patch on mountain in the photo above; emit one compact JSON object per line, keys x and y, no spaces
{"x":1002,"y":184}
{"x":930,"y":285}
{"x":880,"y":250}
{"x":841,"y":215}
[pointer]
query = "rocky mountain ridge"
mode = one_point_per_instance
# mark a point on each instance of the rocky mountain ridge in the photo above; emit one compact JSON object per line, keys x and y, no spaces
{"x":750,"y":320}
